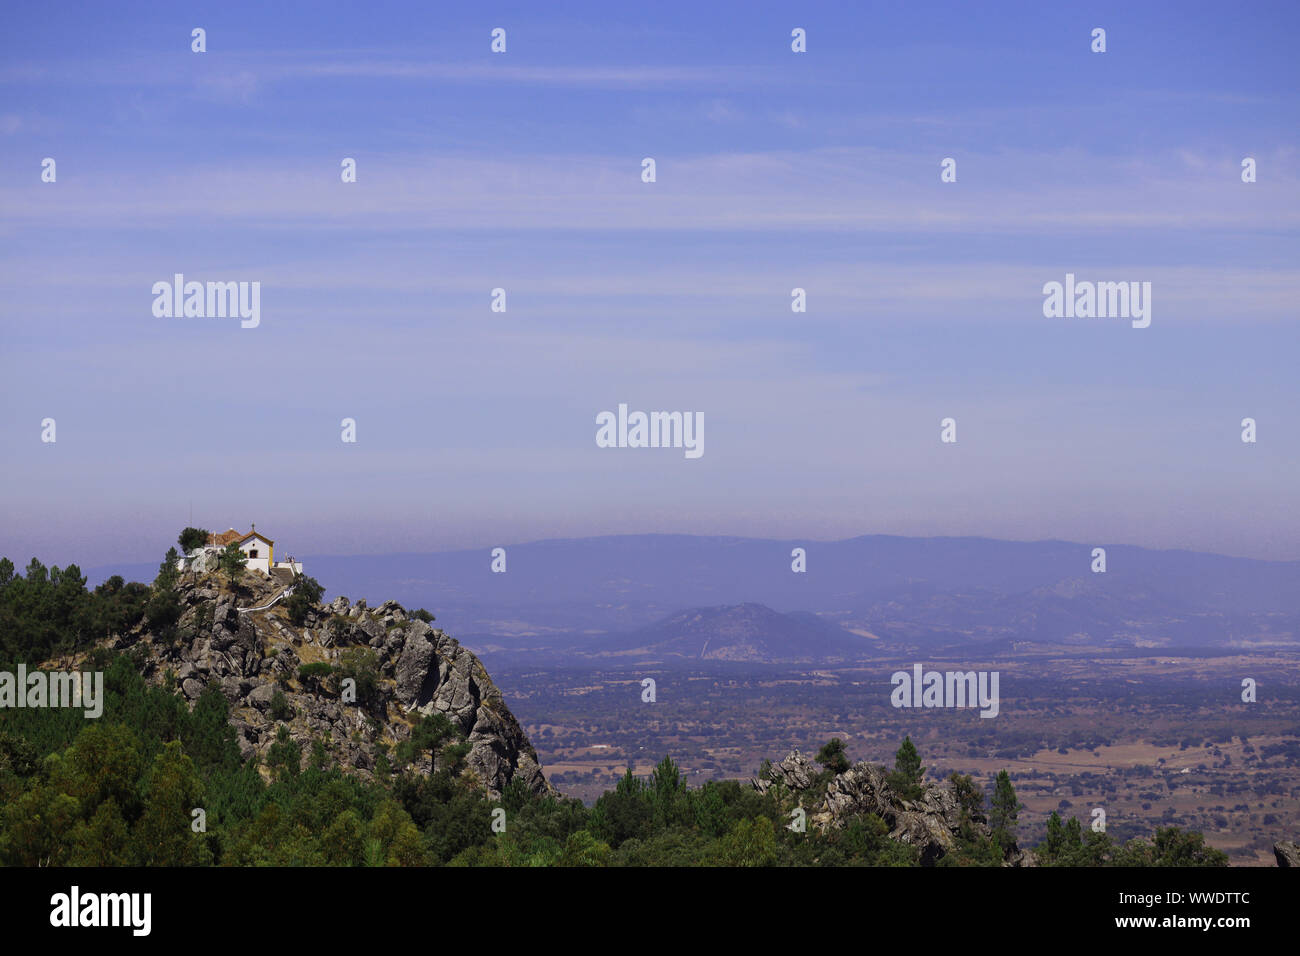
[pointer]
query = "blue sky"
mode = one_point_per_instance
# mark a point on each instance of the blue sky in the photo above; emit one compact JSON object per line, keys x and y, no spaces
{"x":522,"y":171}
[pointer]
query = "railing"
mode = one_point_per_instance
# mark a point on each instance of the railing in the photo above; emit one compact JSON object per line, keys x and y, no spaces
{"x":285,"y":593}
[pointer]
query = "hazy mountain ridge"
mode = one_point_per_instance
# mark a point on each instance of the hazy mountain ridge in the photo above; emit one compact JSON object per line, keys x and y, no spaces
{"x":907,"y":591}
{"x":740,"y":632}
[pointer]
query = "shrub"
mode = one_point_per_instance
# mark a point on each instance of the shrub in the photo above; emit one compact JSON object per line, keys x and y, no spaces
{"x":307,"y":592}
{"x":360,"y":665}
{"x":312,"y":674}
{"x":281,"y":709}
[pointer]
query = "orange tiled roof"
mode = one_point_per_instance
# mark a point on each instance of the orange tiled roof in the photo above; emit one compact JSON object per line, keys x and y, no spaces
{"x":237,"y":537}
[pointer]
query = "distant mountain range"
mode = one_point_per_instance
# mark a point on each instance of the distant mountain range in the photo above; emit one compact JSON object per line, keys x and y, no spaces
{"x":740,"y":632}
{"x":609,"y":595}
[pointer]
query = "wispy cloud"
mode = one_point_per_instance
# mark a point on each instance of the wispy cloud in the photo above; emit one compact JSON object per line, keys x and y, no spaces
{"x":864,"y":190}
{"x":268,"y":67}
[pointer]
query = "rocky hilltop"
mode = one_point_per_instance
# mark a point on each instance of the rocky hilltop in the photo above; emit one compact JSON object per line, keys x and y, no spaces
{"x":931,"y":823}
{"x":401,"y":668}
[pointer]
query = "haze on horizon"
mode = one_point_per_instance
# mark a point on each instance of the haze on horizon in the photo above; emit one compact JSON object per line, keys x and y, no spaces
{"x":522,"y":171}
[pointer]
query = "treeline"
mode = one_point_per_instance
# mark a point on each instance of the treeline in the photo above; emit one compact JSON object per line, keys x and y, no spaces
{"x":48,"y":611}
{"x":156,"y":783}
{"x":1066,"y":845}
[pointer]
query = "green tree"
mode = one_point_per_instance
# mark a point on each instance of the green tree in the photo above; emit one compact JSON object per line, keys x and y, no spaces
{"x":398,"y":838}
{"x":1055,"y":842}
{"x":164,"y":608}
{"x":969,"y":797}
{"x":312,"y":674}
{"x":232,"y":562}
{"x":865,"y":841}
{"x":168,"y":572}
{"x":361,"y":665}
{"x":583,"y":849}
{"x":749,"y":843}
{"x":623,"y":813}
{"x":832,"y":756}
{"x":1176,"y":847}
{"x":908,"y":772}
{"x":343,"y":842}
{"x":281,"y":709}
{"x":307,"y":592}
{"x":711,"y":815}
{"x":1073,"y":839}
{"x":284,"y":756}
{"x":116,"y":606}
{"x":668,"y":795}
{"x":163,"y":836}
{"x":35,"y":828}
{"x":103,"y":840}
{"x":1005,"y":811}
{"x":426,"y":736}
{"x":1098,"y":849}
{"x":207,"y":736}
{"x":104,"y":763}
{"x":192,"y":538}
{"x":666,"y":779}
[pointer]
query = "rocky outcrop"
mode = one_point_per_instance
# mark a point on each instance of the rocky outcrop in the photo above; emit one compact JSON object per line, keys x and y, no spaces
{"x":931,"y":823}
{"x":795,"y":773}
{"x":1287,"y":853}
{"x":434,"y":674}
{"x":403,"y":668}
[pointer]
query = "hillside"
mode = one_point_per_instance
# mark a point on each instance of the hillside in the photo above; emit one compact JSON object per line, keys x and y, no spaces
{"x":403,"y":670}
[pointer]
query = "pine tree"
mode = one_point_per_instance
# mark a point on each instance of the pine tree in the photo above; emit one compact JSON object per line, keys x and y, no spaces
{"x":1055,"y":837}
{"x":969,"y":797}
{"x":168,"y":573}
{"x":906,"y":778}
{"x":667,"y":779}
{"x":164,"y":609}
{"x":232,"y":562}
{"x":668,"y":793}
{"x":1073,"y":837}
{"x":832,"y":757}
{"x":1004,"y":812}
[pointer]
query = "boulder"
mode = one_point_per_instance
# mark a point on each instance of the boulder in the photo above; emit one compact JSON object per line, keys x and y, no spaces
{"x":417,"y":670}
{"x":260,"y":696}
{"x":1287,"y":853}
